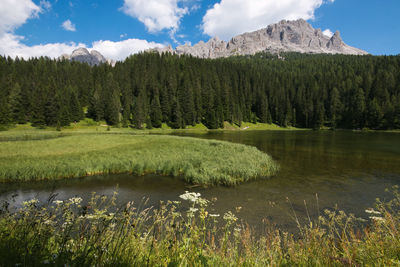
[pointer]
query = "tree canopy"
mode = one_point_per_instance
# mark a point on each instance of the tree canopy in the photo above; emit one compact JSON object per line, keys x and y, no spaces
{"x":148,"y":89}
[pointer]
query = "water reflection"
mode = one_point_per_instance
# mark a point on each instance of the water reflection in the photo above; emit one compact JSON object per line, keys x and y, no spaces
{"x":349,"y":169}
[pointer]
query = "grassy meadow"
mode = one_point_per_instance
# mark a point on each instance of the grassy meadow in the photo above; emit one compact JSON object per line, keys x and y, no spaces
{"x":184,"y":233}
{"x":28,"y":154}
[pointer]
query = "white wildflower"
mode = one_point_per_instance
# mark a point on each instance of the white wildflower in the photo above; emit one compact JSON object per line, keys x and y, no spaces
{"x":58,"y":202}
{"x":372,"y":211}
{"x":193,"y":210}
{"x":191,"y":196}
{"x":75,"y":200}
{"x":30,"y":202}
{"x":229,"y":216}
{"x":377,"y":219}
{"x":214,"y":215}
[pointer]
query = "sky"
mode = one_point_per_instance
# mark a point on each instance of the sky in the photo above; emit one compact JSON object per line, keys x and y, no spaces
{"x":118,"y":28}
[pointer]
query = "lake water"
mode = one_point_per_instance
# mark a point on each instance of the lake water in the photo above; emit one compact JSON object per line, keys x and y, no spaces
{"x":319,"y":169}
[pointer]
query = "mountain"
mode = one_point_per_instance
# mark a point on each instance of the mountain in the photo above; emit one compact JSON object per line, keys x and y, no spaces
{"x":83,"y":55}
{"x":285,"y":36}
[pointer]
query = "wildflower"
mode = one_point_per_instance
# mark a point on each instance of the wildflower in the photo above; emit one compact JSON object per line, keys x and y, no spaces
{"x":193,"y":210}
{"x":30,"y":202}
{"x":372,"y":211}
{"x":377,"y":219}
{"x":58,"y":202}
{"x":75,"y":200}
{"x":229,"y":216}
{"x":237,"y":230}
{"x":191,"y":196}
{"x":176,"y":202}
{"x":214,"y":215}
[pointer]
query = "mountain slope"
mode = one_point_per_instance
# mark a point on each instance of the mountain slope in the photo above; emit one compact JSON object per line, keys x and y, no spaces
{"x":285,"y":36}
{"x":83,"y":55}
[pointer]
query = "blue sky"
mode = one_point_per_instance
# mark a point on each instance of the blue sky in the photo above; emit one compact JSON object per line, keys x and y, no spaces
{"x":118,"y":28}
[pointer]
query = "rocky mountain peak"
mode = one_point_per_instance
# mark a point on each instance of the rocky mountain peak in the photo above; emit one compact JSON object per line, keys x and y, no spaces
{"x":284,"y":36}
{"x":80,"y":52}
{"x":83,"y":55}
{"x":98,"y":56}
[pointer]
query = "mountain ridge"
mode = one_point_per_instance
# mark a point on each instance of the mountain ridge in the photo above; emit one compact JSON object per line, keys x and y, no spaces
{"x":284,"y":36}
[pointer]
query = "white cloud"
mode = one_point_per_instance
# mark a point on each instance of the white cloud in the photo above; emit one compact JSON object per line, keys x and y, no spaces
{"x":12,"y":46}
{"x":232,"y":17}
{"x":14,"y":13}
{"x":195,"y":7}
{"x":46,"y":5}
{"x":121,"y":50}
{"x":156,"y":15}
{"x":328,"y":33}
{"x":68,"y":26}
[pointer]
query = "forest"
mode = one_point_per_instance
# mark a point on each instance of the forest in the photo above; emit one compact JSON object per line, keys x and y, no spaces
{"x":148,"y":89}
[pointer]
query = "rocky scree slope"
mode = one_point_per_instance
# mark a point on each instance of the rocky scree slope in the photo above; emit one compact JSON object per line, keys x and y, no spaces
{"x":285,"y":36}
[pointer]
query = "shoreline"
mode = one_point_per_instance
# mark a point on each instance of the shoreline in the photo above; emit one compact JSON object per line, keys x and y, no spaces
{"x":197,"y":161}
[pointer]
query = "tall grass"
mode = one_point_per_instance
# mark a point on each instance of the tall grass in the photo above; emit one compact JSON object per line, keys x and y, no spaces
{"x":198,"y":161}
{"x":69,"y":233}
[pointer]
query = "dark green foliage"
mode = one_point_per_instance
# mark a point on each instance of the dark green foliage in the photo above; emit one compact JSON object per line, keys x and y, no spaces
{"x":306,"y":91}
{"x":155,"y":113}
{"x":17,"y":105}
{"x":75,"y":107}
{"x":112,"y":101}
{"x":176,"y":119}
{"x":5,"y":111}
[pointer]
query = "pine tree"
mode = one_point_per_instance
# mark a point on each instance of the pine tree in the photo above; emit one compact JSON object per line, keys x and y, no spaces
{"x":5,"y":111}
{"x":63,"y":116}
{"x":176,"y":120}
{"x":155,"y":112}
{"x":38,"y":118}
{"x":16,"y":104}
{"x":51,"y":110}
{"x":76,"y":110}
{"x":335,"y":107}
{"x":374,"y":115}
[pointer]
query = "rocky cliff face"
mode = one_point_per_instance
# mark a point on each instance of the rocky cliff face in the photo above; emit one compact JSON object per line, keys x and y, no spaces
{"x":285,"y":36}
{"x":83,"y":55}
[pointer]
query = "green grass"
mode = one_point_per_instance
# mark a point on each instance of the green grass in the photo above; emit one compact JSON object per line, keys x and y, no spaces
{"x":70,"y":233}
{"x":53,"y":155}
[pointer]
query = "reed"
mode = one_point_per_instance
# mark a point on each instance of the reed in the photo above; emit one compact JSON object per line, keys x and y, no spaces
{"x":97,"y":233}
{"x":66,"y":155}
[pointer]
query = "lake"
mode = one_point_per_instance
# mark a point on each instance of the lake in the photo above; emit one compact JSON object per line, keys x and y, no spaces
{"x":319,"y":169}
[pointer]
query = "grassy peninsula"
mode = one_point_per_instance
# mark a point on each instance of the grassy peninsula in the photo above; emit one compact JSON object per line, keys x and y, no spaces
{"x":39,"y":155}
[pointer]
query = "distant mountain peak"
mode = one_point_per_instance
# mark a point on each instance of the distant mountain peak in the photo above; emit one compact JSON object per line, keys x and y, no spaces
{"x":83,"y":55}
{"x":284,"y":36}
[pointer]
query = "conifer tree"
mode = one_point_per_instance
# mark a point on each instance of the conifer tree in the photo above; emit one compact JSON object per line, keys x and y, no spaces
{"x":155,"y":112}
{"x":176,"y":120}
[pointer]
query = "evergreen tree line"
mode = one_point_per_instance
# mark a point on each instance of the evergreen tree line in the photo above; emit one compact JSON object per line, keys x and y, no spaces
{"x":148,"y":89}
